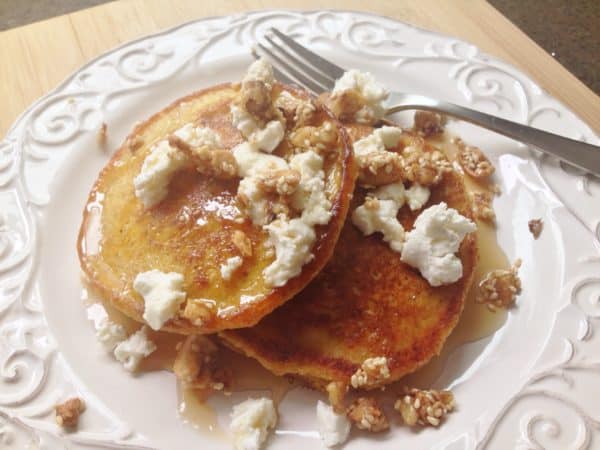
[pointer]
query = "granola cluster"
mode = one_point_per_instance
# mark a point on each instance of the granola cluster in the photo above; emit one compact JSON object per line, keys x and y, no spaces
{"x":197,"y":365}
{"x":366,"y":414}
{"x":219,"y":163}
{"x":102,"y":134}
{"x":198,"y":311}
{"x":242,"y":243}
{"x":371,"y":372}
{"x":380,"y":168}
{"x":281,"y":182}
{"x":499,"y":288}
{"x":346,"y":104}
{"x":473,"y":161}
{"x":322,"y":139}
{"x":296,"y":112}
{"x":429,"y":123}
{"x":424,"y":407}
{"x":482,"y":206}
{"x":424,"y":167}
{"x":67,"y":413}
{"x":336,"y":391}
{"x":535,"y":227}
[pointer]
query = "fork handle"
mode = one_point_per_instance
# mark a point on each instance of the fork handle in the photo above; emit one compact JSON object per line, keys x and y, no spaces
{"x":580,"y":154}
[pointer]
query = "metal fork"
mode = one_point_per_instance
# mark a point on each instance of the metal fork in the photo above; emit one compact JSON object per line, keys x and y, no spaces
{"x":295,"y":64}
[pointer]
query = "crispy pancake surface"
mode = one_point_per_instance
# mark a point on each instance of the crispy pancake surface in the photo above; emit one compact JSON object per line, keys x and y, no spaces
{"x":190,"y":231}
{"x":365,"y":303}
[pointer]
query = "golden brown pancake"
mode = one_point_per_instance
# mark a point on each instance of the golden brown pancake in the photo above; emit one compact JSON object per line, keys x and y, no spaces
{"x":190,"y":231}
{"x":365,"y":303}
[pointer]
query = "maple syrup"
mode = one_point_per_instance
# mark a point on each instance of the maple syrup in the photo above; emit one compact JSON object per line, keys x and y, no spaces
{"x":476,"y":322}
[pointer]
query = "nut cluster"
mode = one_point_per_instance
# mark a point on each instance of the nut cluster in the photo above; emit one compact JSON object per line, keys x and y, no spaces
{"x":473,"y":161}
{"x":424,"y":407}
{"x":371,"y":371}
{"x":500,"y":287}
{"x":535,"y":227}
{"x":429,"y":123}
{"x":197,"y":365}
{"x":482,"y":207}
{"x":367,"y":415}
{"x":67,"y":413}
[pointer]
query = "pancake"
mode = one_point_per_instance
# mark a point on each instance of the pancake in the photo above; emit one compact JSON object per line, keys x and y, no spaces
{"x":191,"y":231}
{"x":366,"y":303}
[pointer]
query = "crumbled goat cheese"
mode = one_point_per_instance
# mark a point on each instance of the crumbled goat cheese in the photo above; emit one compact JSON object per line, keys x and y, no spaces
{"x":417,"y":196}
{"x":199,"y":136}
{"x":250,"y":422}
{"x":310,"y":196}
{"x":151,"y":184}
{"x":251,"y":164}
{"x":379,"y":214}
{"x":266,"y":139}
{"x":433,"y":242}
{"x":293,"y":239}
{"x":379,"y":140}
{"x":110,"y":333}
{"x":392,"y":191}
{"x":333,"y":428}
{"x":260,"y":70}
{"x":131,"y":351}
{"x":372,"y":93}
{"x":230,"y":266}
{"x":162,"y":293}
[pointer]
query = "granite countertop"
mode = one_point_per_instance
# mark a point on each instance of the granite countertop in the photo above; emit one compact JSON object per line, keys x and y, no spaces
{"x":567,"y":29}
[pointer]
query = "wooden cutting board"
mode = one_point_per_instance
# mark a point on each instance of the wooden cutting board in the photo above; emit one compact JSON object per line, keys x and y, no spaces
{"x":35,"y":58}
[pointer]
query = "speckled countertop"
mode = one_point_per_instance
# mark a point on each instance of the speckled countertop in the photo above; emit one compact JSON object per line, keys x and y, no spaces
{"x":567,"y":29}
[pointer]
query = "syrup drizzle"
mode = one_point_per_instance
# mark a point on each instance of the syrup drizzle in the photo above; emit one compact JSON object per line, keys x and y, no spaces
{"x":476,"y":322}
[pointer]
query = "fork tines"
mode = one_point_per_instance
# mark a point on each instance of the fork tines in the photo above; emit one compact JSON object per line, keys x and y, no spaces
{"x":295,"y":64}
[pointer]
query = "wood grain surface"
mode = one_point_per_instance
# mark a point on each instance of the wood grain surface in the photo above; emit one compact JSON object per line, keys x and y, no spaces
{"x":35,"y":58}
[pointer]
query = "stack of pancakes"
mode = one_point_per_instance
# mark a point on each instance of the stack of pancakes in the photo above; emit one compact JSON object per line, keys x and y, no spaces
{"x":353,"y":301}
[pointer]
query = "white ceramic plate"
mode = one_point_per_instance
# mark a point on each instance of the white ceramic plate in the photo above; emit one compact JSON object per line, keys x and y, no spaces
{"x":533,"y":384}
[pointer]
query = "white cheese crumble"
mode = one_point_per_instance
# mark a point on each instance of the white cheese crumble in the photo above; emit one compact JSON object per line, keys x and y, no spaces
{"x":333,"y":428}
{"x":379,"y":214}
{"x":379,"y":140}
{"x":293,"y":239}
{"x":231,"y":265}
{"x":433,"y":242}
{"x":199,"y":136}
{"x":260,"y":70}
{"x":131,"y":351}
{"x":266,"y":139}
{"x":109,"y":333}
{"x":251,"y":163}
{"x":310,"y":196}
{"x":250,"y":422}
{"x":151,"y":184}
{"x":417,"y":196}
{"x":372,"y":92}
{"x":162,"y":293}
